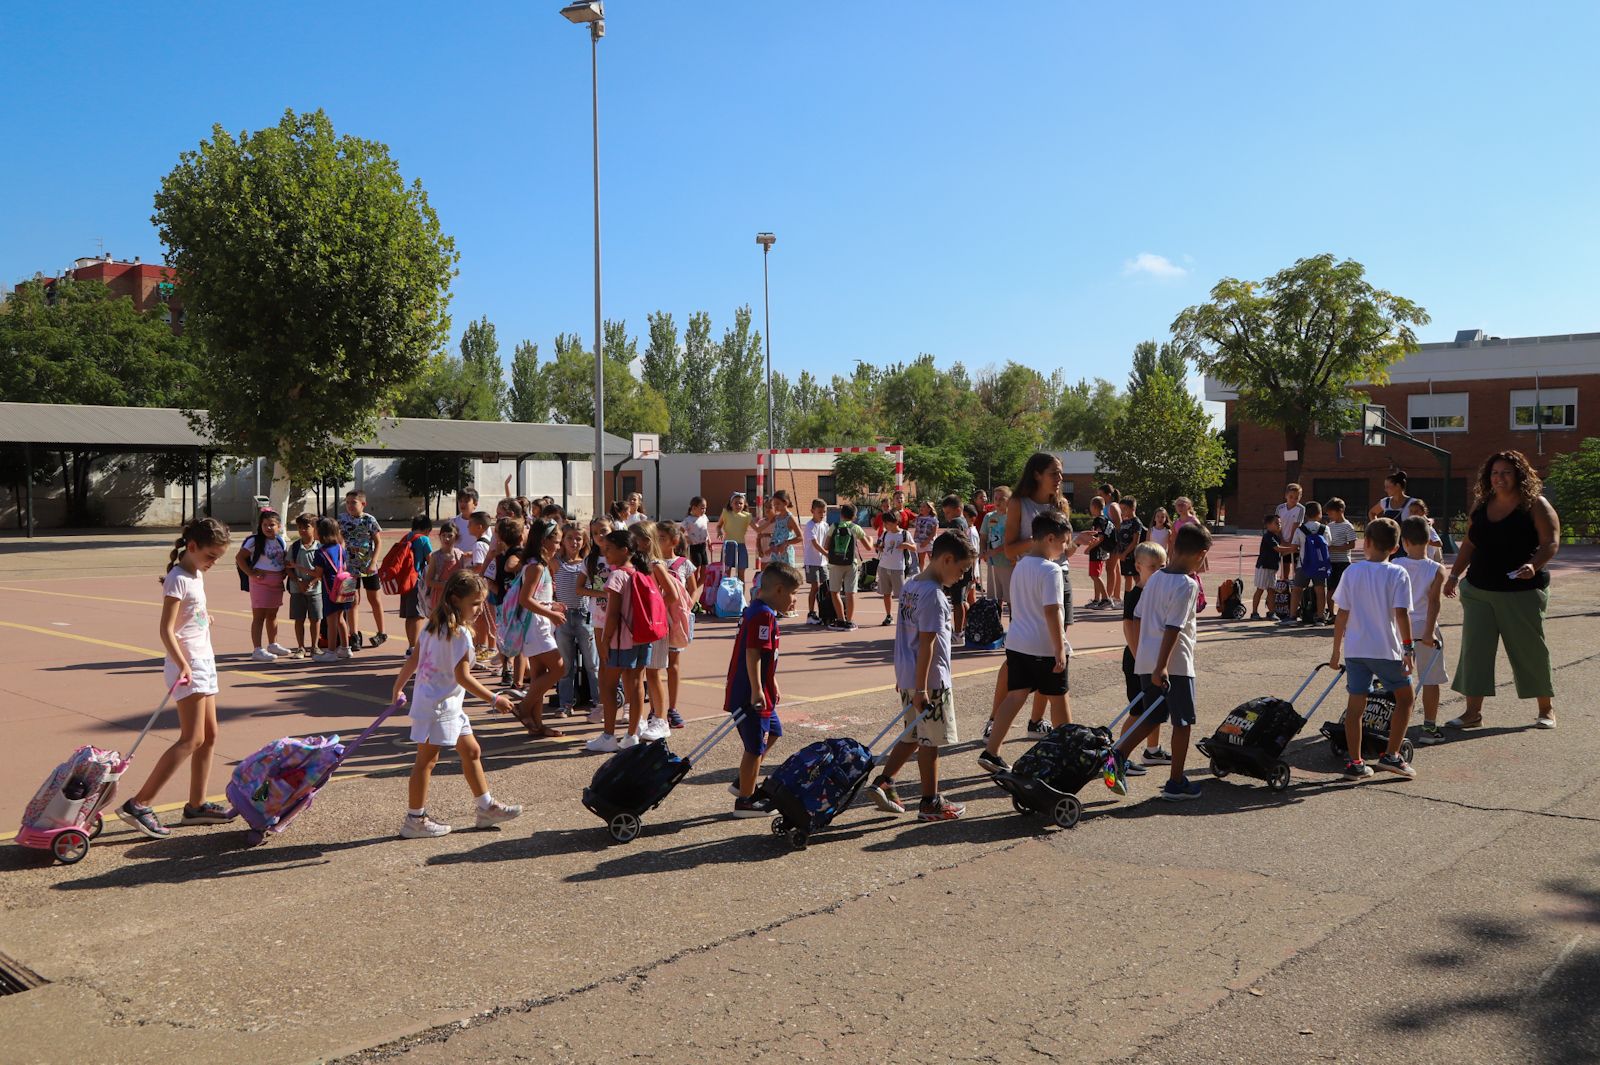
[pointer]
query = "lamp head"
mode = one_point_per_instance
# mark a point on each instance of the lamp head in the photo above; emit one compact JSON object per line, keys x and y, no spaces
{"x":766,"y":240}
{"x":584,"y":11}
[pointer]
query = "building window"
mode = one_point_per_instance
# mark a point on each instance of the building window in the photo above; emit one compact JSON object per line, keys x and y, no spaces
{"x":1441,"y":412}
{"x":1557,"y":408}
{"x":630,"y":484}
{"x":825,"y":487}
{"x":750,"y":486}
{"x":1355,"y":491}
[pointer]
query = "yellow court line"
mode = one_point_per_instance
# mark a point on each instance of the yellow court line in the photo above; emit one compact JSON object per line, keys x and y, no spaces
{"x":112,"y":599}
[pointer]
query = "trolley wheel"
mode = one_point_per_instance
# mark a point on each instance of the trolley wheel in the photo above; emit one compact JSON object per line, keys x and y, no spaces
{"x":97,"y":826}
{"x":624,"y":827}
{"x":1217,"y":770}
{"x":1067,"y":811}
{"x":254,"y":837}
{"x":1020,"y":806}
{"x":1406,"y":750}
{"x":1278,"y":776}
{"x":779,"y":825}
{"x":797,"y":839}
{"x":1337,"y":750}
{"x":70,"y":846}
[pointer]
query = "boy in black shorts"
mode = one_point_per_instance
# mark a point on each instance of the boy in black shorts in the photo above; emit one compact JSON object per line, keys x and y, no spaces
{"x":1147,"y":559}
{"x":1036,"y":644}
{"x":1164,"y":661}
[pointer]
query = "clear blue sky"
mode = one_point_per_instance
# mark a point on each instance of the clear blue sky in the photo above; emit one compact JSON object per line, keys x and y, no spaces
{"x":981,"y":181}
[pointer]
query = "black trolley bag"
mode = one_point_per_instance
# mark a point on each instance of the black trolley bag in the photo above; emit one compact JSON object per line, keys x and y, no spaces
{"x":1251,"y":740}
{"x":1049,"y":776}
{"x":819,"y":781}
{"x":637,"y":780}
{"x":1375,"y":718}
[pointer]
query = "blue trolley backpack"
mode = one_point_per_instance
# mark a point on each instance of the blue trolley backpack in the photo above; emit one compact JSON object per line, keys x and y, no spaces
{"x":816,"y":783}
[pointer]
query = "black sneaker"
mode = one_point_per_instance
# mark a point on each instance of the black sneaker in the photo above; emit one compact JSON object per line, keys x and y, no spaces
{"x":207,"y":813}
{"x":751,"y":806}
{"x":888,"y":619}
{"x":505,"y":675}
{"x":993,"y":763}
{"x":143,"y":819}
{"x":1355,"y":769}
{"x":357,"y":641}
{"x":377,"y":641}
{"x":812,"y":619}
{"x":1038,"y":728}
{"x":988,"y":728}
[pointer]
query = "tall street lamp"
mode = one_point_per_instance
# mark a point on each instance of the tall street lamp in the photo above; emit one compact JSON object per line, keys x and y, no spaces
{"x":593,"y":12}
{"x":767,"y":240}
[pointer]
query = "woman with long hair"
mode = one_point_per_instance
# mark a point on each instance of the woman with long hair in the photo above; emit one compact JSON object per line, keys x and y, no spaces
{"x":1512,"y":534}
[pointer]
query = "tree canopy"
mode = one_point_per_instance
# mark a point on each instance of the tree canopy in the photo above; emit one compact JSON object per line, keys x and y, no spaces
{"x":1161,"y":445}
{"x":315,"y":278}
{"x":1296,"y":345}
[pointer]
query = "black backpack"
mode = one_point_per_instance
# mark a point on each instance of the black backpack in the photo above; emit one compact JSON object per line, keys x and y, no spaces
{"x":983,"y":623}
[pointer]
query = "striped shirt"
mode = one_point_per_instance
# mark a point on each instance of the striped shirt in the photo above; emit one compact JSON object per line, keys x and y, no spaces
{"x":567,"y":577}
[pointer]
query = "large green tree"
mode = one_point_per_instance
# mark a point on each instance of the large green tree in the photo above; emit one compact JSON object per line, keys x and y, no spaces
{"x":741,"y":386}
{"x":862,"y":473}
{"x":528,"y":397}
{"x":1296,"y":345}
{"x":631,"y":406}
{"x":1574,"y":486}
{"x":79,"y":343}
{"x":1171,"y":358}
{"x":1082,"y":414}
{"x":315,"y":278}
{"x":1162,"y":446}
{"x":701,"y":417}
{"x":663,"y":371}
{"x":480,"y":356}
{"x":1013,"y":421}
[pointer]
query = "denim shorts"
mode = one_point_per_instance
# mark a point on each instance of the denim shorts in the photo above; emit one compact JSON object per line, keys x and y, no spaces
{"x":1359,"y":673}
{"x":635,"y":657}
{"x":735,"y":555}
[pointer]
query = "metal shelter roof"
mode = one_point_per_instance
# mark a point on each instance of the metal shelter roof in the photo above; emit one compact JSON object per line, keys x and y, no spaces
{"x":162,"y":428}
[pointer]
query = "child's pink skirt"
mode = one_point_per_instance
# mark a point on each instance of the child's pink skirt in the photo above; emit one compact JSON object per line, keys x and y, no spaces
{"x":266,"y":593}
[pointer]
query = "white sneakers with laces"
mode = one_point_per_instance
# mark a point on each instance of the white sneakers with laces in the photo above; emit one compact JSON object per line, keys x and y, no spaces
{"x":421,"y":826}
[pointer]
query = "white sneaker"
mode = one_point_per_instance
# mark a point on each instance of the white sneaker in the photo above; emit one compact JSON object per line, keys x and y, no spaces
{"x":655,"y":729}
{"x":423,"y":827}
{"x":605,"y":743}
{"x":496,"y":814}
{"x":343,"y":652}
{"x":630,"y":740}
{"x":279,"y":650}
{"x":597,"y":716}
{"x":261,"y":654}
{"x":324,"y":656}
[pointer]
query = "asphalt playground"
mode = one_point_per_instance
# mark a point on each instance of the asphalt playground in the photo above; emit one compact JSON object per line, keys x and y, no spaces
{"x":1456,"y":917}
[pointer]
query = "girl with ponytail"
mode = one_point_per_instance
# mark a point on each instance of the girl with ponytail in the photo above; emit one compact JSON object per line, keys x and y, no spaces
{"x":190,"y":671}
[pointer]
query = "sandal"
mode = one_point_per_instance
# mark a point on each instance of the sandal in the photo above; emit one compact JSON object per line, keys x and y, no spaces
{"x":542,"y":731}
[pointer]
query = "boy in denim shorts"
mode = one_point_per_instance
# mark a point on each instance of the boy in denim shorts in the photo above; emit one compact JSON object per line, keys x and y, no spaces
{"x":1373,"y":634}
{"x":922,"y":678}
{"x":1164,"y":662}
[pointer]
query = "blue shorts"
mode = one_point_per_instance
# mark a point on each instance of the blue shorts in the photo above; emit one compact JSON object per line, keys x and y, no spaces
{"x":1177,"y":707}
{"x":756,"y":731}
{"x":735,"y":555}
{"x":1359,"y":673}
{"x":635,"y":657}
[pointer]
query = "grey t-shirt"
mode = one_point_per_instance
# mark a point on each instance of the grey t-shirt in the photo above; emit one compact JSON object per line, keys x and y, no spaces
{"x":923,"y":608}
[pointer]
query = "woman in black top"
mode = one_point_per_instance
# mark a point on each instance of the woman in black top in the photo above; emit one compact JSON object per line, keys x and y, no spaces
{"x":1512,"y":535}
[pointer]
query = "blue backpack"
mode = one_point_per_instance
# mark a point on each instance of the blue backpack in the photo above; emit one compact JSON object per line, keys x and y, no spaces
{"x":730,"y":598}
{"x":821,"y":777}
{"x":1314,"y":559}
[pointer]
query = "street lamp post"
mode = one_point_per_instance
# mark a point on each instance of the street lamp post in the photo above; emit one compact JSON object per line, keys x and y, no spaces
{"x":593,"y":13}
{"x":767,"y":240}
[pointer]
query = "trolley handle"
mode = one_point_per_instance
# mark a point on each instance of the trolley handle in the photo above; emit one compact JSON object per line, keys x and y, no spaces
{"x":1325,"y":691}
{"x":714,"y":737}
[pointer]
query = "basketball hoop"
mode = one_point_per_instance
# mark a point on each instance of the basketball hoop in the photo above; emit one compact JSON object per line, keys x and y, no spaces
{"x":646,"y":446}
{"x":1373,"y":419}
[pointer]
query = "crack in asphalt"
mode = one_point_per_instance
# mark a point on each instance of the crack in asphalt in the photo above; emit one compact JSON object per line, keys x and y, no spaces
{"x":1414,"y":797}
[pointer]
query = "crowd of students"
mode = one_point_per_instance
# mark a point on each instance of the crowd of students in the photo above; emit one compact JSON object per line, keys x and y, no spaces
{"x":537,"y":597}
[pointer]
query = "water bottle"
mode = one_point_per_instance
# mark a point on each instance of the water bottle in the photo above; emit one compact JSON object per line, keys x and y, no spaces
{"x":77,"y":787}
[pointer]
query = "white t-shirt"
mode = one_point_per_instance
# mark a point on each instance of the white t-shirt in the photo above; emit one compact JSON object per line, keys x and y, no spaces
{"x":1289,"y":518}
{"x":813,"y":534}
{"x":480,"y":550}
{"x":1035,"y":584}
{"x":436,"y":690}
{"x":194,"y":622}
{"x":1371,"y":592}
{"x":272,"y":553}
{"x":696,"y":530}
{"x":463,"y":529}
{"x":890,"y":556}
{"x":1341,"y":534}
{"x":633,"y":519}
{"x":1422,"y":571}
{"x":1167,"y":602}
{"x":923,"y":608}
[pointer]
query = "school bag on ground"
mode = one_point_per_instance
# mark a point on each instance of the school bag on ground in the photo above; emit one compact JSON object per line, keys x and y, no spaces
{"x":842,"y":544}
{"x":1314,"y":556}
{"x":647,"y":609}
{"x":398,"y":574}
{"x":1230,"y":599}
{"x":730,"y":598}
{"x":708,"y":593}
{"x":1252,"y":738}
{"x":825,"y":611}
{"x":984,"y":630}
{"x":632,"y":782}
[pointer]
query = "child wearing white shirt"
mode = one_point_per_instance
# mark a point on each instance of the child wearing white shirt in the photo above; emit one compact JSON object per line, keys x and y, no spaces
{"x":1427,"y":584}
{"x":1373,"y":633}
{"x":894,"y":547}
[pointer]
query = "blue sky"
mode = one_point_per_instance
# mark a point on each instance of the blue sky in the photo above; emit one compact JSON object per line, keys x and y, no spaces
{"x":1045,"y":182}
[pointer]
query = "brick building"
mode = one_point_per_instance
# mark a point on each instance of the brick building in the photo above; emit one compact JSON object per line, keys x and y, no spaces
{"x":149,"y":286}
{"x":1472,"y":396}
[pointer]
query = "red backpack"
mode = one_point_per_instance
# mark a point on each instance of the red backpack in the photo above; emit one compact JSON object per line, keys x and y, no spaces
{"x":398,"y":574}
{"x":647,"y":609}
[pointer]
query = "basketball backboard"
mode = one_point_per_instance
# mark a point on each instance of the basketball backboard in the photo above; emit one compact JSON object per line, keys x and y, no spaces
{"x":647,"y":445}
{"x":1373,"y":418}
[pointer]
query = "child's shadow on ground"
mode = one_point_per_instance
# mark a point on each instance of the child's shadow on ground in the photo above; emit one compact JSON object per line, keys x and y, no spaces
{"x":212,"y":855}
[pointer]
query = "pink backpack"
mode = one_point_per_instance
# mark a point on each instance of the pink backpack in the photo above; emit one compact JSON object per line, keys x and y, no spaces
{"x":679,"y":624}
